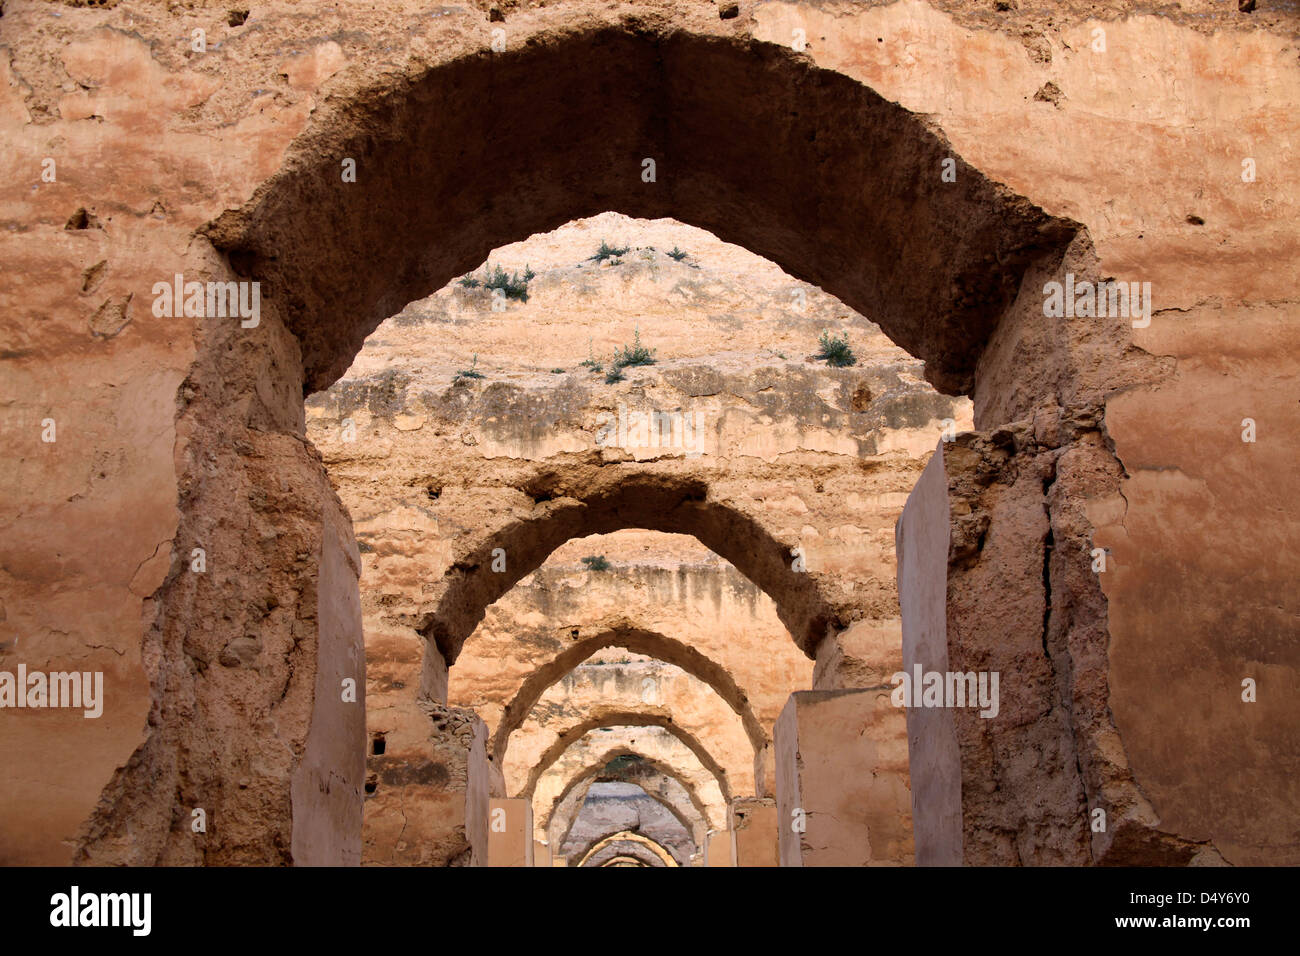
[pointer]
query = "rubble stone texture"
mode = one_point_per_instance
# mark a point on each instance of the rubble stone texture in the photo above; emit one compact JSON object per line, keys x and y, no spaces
{"x":569,"y":648}
{"x":1164,"y":155}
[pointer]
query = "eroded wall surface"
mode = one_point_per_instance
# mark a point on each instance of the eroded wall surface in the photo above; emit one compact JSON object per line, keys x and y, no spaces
{"x":1145,"y":144}
{"x":422,"y":455}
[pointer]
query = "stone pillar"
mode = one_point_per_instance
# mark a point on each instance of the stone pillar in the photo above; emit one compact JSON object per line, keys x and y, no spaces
{"x":995,"y":627}
{"x":865,"y":654}
{"x":541,"y":853}
{"x":841,"y":785}
{"x":765,"y":770}
{"x":510,"y":831}
{"x":429,"y":789}
{"x":753,"y":825}
{"x":922,"y":538}
{"x":478,"y":795}
{"x":717,"y":848}
{"x":327,"y":786}
{"x":433,"y":675}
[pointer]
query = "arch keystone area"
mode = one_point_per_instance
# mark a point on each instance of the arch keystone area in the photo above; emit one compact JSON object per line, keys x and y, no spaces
{"x":643,"y":770}
{"x":593,"y":498}
{"x":802,"y":165}
{"x":638,"y":641}
{"x":623,"y":719}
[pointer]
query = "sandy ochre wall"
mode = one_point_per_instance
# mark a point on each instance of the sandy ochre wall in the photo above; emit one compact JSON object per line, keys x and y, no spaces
{"x":1170,"y":140}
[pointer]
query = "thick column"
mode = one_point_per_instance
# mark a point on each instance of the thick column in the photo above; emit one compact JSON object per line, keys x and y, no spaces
{"x":478,"y":796}
{"x":753,"y":824}
{"x":841,"y":798}
{"x":327,"y":786}
{"x":921,"y":540}
{"x":510,"y":832}
{"x":765,"y":770}
{"x":1001,"y":641}
{"x":429,"y":788}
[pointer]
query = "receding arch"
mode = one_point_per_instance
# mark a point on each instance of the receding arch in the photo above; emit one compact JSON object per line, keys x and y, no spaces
{"x":586,"y":496}
{"x":638,"y":641}
{"x":642,"y":687}
{"x":696,"y":830}
{"x":678,"y":838}
{"x":625,"y":837}
{"x":622,"y":718}
{"x":624,"y":854}
{"x":598,"y":747}
{"x":815,"y":171}
{"x":598,"y":772}
{"x":751,"y":140}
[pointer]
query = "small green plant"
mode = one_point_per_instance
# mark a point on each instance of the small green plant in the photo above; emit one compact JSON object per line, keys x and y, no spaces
{"x":557,"y":371}
{"x":836,"y":351}
{"x":676,"y":255}
{"x":471,"y":372}
{"x":615,"y":374}
{"x":606,"y":251}
{"x":590,"y":361}
{"x":637,"y":354}
{"x":512,"y":284}
{"x":596,"y":562}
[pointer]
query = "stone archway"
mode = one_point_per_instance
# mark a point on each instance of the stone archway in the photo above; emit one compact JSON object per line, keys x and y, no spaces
{"x":590,"y":498}
{"x":646,"y":687}
{"x":653,"y":776}
{"x":621,"y":718}
{"x":969,"y":246}
{"x":625,"y":854}
{"x":625,"y":840}
{"x":590,"y":756}
{"x":638,"y":641}
{"x":611,"y":808}
{"x":869,"y":168}
{"x":229,"y":683}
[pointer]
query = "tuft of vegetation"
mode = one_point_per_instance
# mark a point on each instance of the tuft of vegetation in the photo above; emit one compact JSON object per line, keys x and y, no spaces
{"x":626,"y":357}
{"x":512,"y":284}
{"x":471,"y":372}
{"x":606,"y":251}
{"x":636,"y":354}
{"x":590,"y":361}
{"x":557,"y":371}
{"x":836,"y":351}
{"x":676,"y":255}
{"x":596,"y":562}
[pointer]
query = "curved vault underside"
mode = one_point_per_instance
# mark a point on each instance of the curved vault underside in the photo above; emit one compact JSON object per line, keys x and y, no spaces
{"x":802,"y":165}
